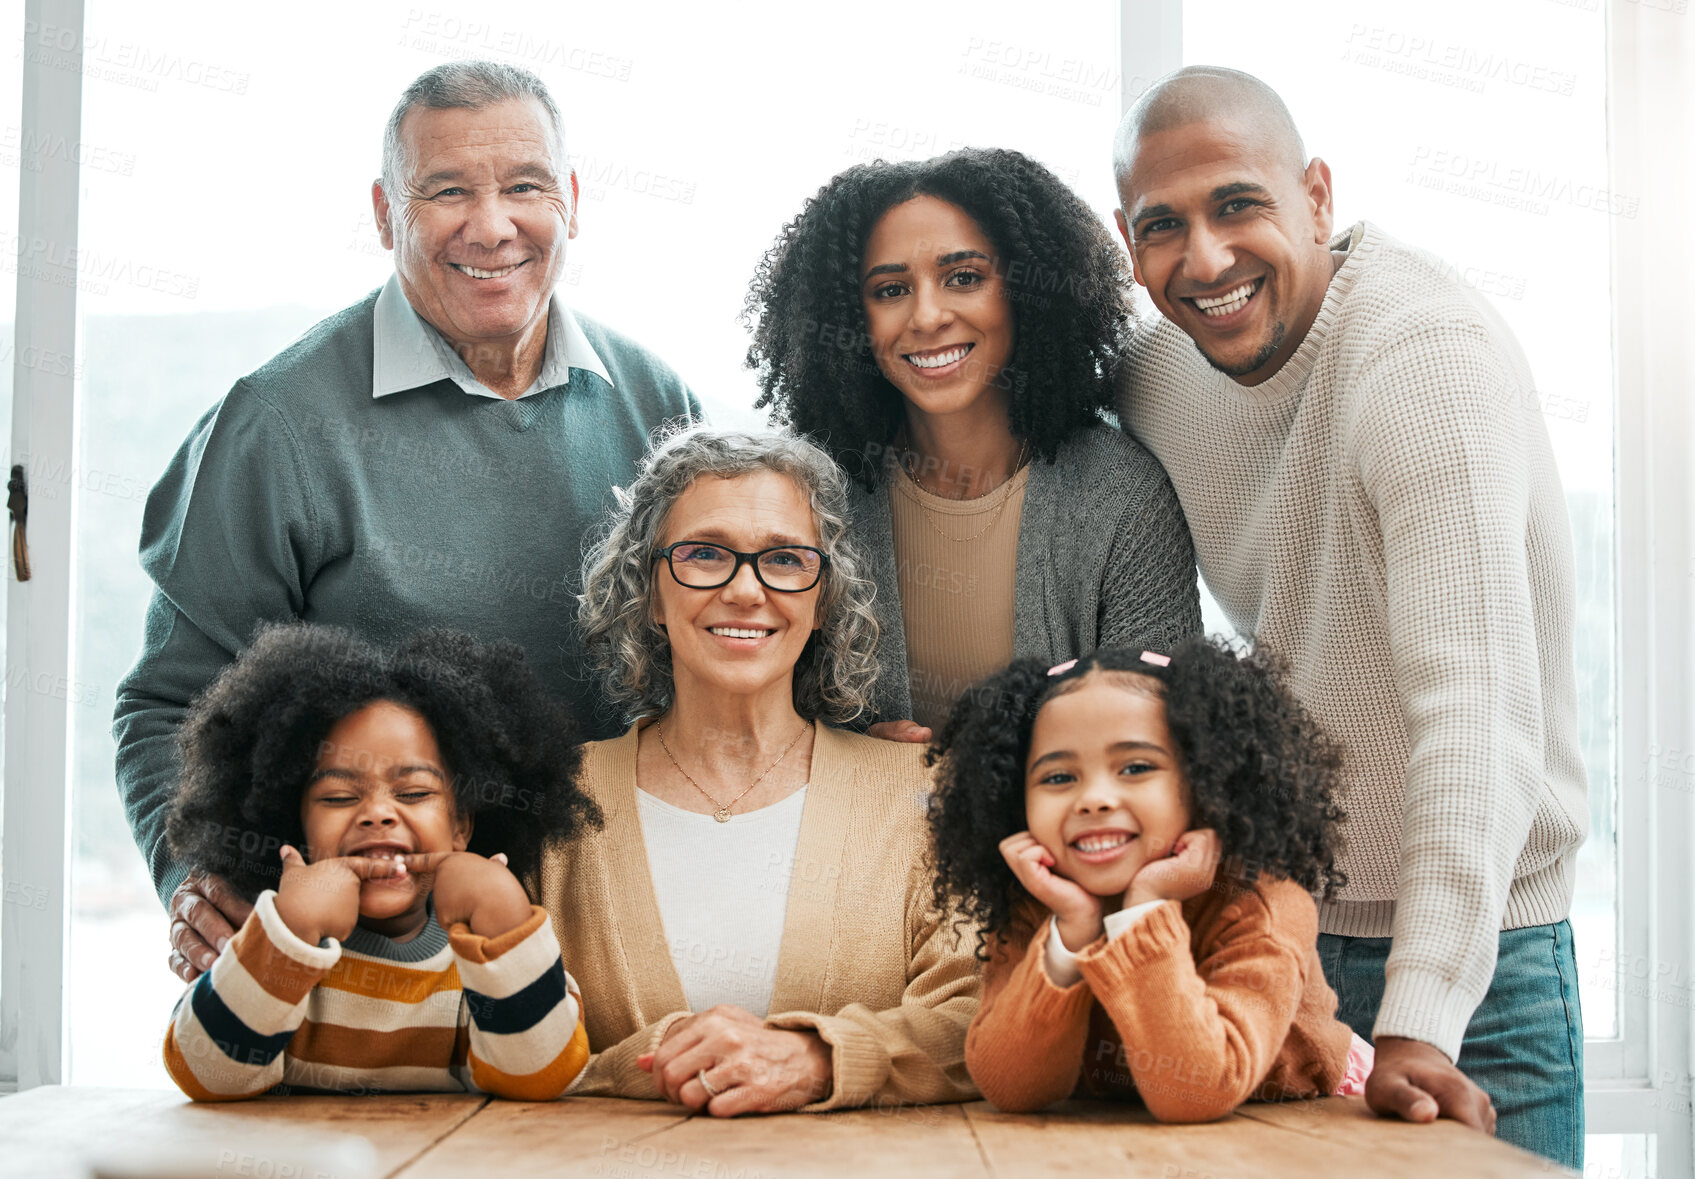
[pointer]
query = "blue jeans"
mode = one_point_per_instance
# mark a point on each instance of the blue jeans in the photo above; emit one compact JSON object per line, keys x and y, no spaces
{"x":1524,"y":1045}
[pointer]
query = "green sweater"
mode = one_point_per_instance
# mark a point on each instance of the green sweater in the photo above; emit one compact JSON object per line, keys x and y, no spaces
{"x":300,"y":495}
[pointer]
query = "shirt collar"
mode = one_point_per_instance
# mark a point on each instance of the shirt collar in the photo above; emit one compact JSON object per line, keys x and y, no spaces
{"x":408,"y":353}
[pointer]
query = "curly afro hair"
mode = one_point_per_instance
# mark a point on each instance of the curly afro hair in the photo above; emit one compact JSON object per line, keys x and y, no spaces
{"x":1066,"y":278}
{"x":1261,"y":772}
{"x":251,"y":740}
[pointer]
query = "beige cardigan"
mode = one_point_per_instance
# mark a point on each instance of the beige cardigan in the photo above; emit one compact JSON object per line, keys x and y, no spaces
{"x":864,"y":960}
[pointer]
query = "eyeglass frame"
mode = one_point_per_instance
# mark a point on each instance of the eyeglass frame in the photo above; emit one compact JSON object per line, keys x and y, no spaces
{"x":750,"y":559}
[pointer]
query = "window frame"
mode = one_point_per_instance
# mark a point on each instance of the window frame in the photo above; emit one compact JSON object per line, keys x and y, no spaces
{"x":35,"y":856}
{"x":1639,"y":1083}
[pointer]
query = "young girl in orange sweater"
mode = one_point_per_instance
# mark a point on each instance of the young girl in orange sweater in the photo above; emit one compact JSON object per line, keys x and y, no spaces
{"x":1138,"y":837}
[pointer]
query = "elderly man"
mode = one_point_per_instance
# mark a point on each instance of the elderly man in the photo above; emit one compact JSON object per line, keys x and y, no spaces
{"x":431,"y":456}
{"x":1358,"y":449}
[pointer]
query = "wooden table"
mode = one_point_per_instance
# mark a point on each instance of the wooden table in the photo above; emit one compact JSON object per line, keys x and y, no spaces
{"x":50,"y":1133}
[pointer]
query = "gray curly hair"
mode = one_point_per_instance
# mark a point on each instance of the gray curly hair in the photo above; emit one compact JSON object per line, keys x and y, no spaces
{"x":834,"y":675}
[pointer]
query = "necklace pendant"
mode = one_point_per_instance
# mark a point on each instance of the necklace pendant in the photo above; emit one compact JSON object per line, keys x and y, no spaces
{"x":722,"y":814}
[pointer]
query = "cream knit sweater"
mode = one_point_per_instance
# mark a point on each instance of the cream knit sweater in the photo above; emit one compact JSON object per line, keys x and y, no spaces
{"x":1385,"y":514}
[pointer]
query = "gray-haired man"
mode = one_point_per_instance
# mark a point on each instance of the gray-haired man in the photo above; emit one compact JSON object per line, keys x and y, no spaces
{"x":431,"y":456}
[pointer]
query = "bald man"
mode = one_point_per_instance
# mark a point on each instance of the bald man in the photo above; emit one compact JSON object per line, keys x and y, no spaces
{"x":1356,"y":441}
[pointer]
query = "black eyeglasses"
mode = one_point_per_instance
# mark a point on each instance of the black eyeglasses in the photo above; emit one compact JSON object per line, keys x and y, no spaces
{"x":791,"y":569}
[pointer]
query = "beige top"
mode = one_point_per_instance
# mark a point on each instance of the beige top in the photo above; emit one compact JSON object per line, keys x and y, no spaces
{"x":957,"y":562}
{"x":864,"y":961}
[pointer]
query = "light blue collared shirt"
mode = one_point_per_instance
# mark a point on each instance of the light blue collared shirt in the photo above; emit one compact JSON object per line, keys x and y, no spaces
{"x":409,"y":353}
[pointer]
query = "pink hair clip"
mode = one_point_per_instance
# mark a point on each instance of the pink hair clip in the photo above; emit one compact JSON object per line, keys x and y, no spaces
{"x":1155,"y":658}
{"x":1062,"y":668}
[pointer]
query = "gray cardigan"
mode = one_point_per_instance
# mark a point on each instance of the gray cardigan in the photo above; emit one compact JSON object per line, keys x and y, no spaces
{"x":1104,"y":557}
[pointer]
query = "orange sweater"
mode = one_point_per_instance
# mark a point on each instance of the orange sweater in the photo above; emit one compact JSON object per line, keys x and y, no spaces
{"x":1196,"y":1008}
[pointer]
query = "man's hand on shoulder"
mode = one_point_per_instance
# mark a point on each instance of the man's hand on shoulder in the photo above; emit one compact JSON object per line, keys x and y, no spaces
{"x":900,"y":731}
{"x":1417,"y":1082}
{"x":205,"y":913}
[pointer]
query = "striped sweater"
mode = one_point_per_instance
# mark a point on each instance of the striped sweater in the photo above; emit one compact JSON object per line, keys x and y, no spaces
{"x":441,"y":1012}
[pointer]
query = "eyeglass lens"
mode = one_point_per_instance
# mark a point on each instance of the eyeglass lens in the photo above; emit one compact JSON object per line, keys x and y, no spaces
{"x":706,"y":565}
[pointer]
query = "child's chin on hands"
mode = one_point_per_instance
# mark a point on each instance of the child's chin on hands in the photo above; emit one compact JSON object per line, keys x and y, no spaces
{"x":1076,"y":911}
{"x":321,"y":899}
{"x":1187,"y":872}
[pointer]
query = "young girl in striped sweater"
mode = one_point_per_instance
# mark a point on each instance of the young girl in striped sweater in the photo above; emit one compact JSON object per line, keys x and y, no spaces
{"x":1137,"y":836}
{"x":378,"y":804}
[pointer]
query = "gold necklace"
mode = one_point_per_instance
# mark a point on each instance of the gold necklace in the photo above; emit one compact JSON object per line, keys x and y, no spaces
{"x":995,"y":516}
{"x":722,"y":813}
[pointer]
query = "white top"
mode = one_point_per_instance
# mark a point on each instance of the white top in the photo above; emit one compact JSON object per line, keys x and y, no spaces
{"x":722,"y":889}
{"x":1384,"y":514}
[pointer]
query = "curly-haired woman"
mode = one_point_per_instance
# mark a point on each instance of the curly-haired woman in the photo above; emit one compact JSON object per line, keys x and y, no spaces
{"x":949,"y":330}
{"x":1136,"y":835}
{"x":754,"y":920}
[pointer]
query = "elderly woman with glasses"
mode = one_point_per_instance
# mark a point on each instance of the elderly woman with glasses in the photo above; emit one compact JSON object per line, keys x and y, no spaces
{"x":754,"y":920}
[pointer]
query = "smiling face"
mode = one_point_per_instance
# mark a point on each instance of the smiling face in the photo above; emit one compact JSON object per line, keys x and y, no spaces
{"x":1230,"y":240}
{"x":1103,"y":791}
{"x":480,"y":223}
{"x":740,"y":639}
{"x":381,"y":788}
{"x":936,"y":307}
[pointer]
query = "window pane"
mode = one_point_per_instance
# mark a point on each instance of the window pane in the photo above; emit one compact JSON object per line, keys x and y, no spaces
{"x":1478,"y":132}
{"x":235,"y":211}
{"x":1620,"y":1156}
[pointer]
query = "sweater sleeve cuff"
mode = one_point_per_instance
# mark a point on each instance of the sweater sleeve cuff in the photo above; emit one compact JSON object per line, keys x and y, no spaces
{"x":1061,"y":963}
{"x":517,"y":977}
{"x":626,"y":1078}
{"x":1420,"y":1005}
{"x":858,"y":1063}
{"x":173,"y":876}
{"x":614,"y":1071}
{"x":320,"y":957}
{"x":656,"y":1034}
{"x":476,"y":948}
{"x":1155,"y":933}
{"x":1053,"y":999}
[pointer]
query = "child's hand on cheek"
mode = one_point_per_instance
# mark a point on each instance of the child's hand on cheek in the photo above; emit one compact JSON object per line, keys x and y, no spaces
{"x":321,"y":899}
{"x":480,"y":892}
{"x":1187,"y":872}
{"x":1076,"y":911}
